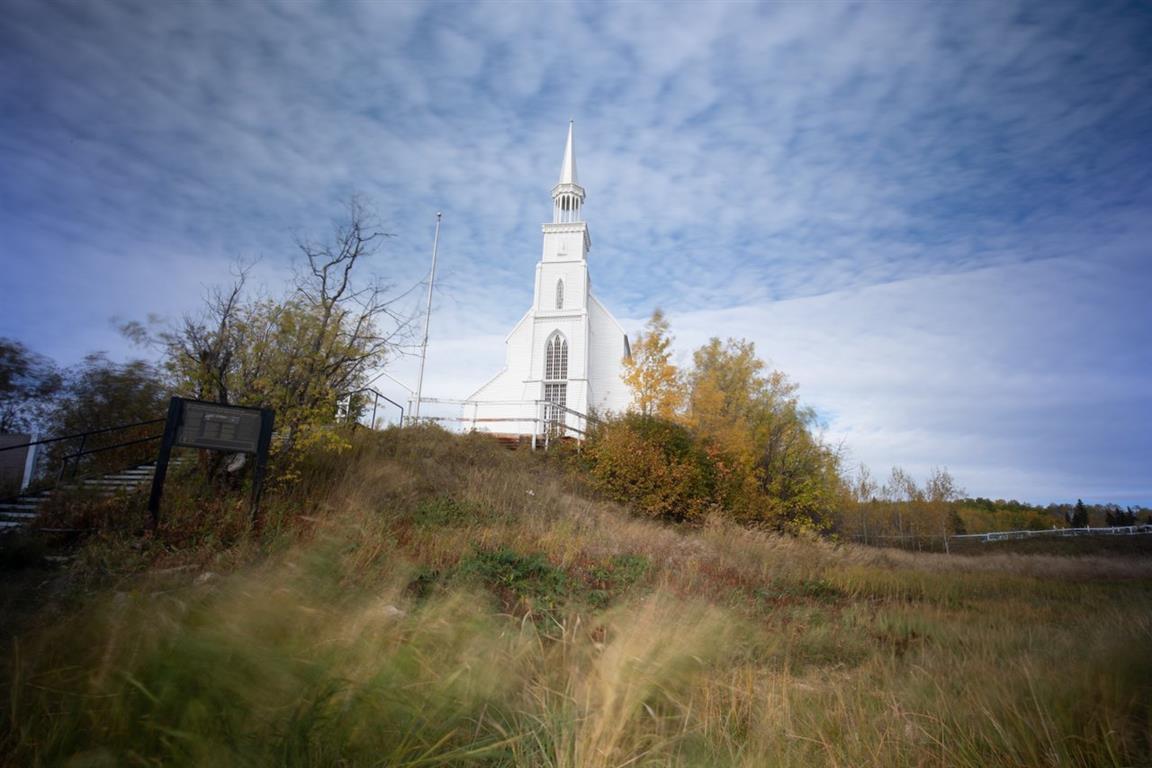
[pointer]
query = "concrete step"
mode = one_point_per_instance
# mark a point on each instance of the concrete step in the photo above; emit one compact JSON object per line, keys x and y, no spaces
{"x":24,"y":509}
{"x":20,"y":511}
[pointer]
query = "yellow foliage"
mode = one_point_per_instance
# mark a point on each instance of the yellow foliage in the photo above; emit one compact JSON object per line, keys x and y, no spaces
{"x":654,"y":466}
{"x":765,"y":463}
{"x":648,"y":372}
{"x":778,"y":471}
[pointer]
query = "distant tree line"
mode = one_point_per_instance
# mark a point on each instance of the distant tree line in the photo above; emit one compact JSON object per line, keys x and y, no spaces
{"x":900,"y":508}
{"x":897,"y":510}
{"x":1001,"y":514}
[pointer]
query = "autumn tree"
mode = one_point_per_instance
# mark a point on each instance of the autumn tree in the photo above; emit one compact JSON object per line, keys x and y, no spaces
{"x":649,"y":373}
{"x":753,"y":413}
{"x":940,"y":494}
{"x":728,"y":391}
{"x":741,"y":444}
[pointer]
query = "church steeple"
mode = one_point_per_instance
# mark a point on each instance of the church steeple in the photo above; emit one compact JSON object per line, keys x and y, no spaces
{"x":567,"y":195}
{"x":568,"y":169}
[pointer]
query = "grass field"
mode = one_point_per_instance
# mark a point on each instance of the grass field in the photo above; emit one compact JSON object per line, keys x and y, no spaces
{"x":427,"y":600}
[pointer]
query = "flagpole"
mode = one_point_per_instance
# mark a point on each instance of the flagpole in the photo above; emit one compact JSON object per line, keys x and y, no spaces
{"x":427,"y":320}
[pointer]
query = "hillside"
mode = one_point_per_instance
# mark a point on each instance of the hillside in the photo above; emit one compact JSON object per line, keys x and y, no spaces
{"x":424,"y":599}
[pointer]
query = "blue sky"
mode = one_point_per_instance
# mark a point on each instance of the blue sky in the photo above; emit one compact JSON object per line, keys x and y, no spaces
{"x":936,"y":217}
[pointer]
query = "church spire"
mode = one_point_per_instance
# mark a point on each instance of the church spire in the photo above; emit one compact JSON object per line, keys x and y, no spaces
{"x":567,"y":195}
{"x":568,"y":169}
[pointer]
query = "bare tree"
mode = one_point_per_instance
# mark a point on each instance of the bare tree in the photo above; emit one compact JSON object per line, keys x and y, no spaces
{"x":301,"y":353}
{"x":902,"y":493}
{"x":863,"y":490}
{"x":358,"y":323}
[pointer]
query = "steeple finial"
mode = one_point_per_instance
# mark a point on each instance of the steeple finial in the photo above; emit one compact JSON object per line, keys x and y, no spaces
{"x":568,"y":169}
{"x":567,"y":195}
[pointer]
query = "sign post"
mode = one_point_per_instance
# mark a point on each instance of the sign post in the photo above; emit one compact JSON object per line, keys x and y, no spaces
{"x":215,"y":427}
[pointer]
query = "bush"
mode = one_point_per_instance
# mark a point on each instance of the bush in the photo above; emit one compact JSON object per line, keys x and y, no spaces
{"x":654,"y":465}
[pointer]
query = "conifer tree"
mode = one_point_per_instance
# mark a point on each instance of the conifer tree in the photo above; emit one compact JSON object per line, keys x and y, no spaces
{"x":1079,"y":518}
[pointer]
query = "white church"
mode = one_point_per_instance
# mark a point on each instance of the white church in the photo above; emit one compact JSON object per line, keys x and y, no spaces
{"x":565,"y":356}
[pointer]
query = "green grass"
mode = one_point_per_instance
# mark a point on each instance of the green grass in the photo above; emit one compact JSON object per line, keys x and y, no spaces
{"x":425,"y":600}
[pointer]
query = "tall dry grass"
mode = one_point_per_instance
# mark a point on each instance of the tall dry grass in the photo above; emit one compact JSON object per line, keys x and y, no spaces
{"x":430,"y":600}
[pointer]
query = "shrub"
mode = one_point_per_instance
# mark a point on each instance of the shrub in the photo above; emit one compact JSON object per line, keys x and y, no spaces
{"x":654,"y":465}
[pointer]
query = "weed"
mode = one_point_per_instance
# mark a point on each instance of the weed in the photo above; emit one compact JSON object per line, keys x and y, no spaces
{"x":812,"y":589}
{"x":614,"y":577}
{"x":525,"y":579}
{"x":447,"y":512}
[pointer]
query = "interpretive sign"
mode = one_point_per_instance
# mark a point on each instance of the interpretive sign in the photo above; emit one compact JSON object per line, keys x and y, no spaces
{"x":219,"y":427}
{"x":214,"y":427}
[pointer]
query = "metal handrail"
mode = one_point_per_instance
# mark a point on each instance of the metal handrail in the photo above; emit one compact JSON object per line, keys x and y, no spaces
{"x":548,"y":419}
{"x":82,"y":434}
{"x":73,"y":458}
{"x":566,"y":409}
{"x":493,"y":420}
{"x":126,"y":443}
{"x":455,"y":401}
{"x":377,"y":397}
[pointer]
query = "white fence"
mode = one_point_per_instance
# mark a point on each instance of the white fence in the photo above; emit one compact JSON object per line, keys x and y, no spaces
{"x":1120,"y":530}
{"x":540,"y":420}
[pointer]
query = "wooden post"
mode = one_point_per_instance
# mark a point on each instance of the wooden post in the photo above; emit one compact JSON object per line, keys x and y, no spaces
{"x":267,"y":420}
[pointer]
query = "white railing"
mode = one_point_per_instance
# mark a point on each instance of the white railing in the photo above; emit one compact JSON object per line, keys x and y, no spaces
{"x":541,"y":420}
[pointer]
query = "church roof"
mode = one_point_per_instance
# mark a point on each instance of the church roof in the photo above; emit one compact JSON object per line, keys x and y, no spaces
{"x":568,"y":170}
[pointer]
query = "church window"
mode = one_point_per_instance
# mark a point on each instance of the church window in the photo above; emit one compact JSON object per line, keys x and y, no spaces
{"x":559,"y":294}
{"x":556,"y":359}
{"x":555,"y":394}
{"x":555,"y":373}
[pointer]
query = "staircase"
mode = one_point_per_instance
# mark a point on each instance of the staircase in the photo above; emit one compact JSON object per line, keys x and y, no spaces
{"x":23,"y":510}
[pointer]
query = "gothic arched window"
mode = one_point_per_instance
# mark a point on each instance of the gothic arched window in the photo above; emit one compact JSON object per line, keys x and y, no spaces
{"x":559,"y":294}
{"x":556,"y":359}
